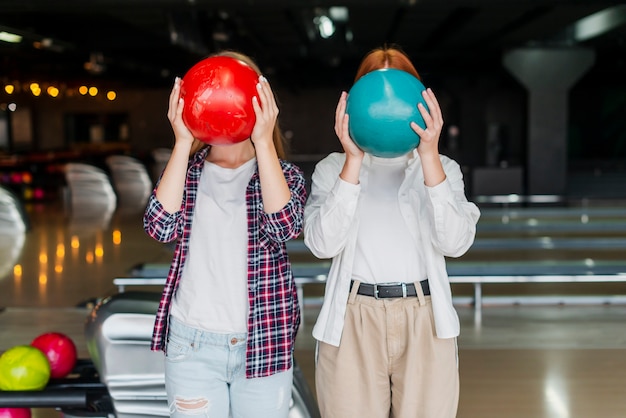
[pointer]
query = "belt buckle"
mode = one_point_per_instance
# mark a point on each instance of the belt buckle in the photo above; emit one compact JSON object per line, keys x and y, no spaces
{"x":402,"y":284}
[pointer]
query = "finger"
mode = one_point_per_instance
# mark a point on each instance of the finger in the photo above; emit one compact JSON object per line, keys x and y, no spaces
{"x":173,"y":99}
{"x":421,"y":132}
{"x":434,"y":109}
{"x":340,"y":111}
{"x":179,"y":107}
{"x":433,"y":105}
{"x":175,"y":90}
{"x":267,"y":90}
{"x":346,"y":126}
{"x":341,"y":105}
{"x":261,"y":97}
{"x":258,"y":111}
{"x":428,"y":120}
{"x":343,"y":130}
{"x":267,"y":99}
{"x":270,"y":99}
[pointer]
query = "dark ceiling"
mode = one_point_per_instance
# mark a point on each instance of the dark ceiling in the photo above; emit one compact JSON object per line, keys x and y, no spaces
{"x":146,"y":43}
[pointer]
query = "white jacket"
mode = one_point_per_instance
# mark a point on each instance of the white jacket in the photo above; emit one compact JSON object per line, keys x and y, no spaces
{"x":440,"y":216}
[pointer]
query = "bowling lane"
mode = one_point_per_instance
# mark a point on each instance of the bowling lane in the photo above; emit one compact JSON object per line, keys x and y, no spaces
{"x":519,"y":361}
{"x":67,"y":259}
{"x":565,"y":222}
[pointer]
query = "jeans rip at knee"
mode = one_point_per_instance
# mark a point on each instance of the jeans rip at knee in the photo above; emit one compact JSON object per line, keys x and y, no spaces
{"x":190,"y":406}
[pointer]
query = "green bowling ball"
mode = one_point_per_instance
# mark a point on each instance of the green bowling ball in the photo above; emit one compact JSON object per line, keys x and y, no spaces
{"x":24,"y":367}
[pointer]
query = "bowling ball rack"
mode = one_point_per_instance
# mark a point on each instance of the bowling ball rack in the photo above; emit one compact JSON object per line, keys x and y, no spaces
{"x":84,"y":392}
{"x":81,"y":391}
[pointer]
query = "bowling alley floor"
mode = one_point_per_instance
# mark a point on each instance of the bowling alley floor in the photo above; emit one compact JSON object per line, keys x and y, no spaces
{"x":565,"y":360}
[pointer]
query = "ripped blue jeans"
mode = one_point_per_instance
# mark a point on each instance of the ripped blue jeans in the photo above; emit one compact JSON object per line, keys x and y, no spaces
{"x":205,"y":377}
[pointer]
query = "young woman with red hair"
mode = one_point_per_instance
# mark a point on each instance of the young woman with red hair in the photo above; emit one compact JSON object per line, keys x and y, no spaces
{"x":387,"y":328}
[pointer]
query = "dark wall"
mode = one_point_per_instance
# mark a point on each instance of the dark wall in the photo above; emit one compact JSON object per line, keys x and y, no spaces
{"x":485,"y":116}
{"x":472,"y":105}
{"x":148,"y":126}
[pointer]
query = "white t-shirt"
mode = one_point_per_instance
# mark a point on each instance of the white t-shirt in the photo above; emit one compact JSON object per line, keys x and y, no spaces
{"x":385,"y":249}
{"x":213,"y":290}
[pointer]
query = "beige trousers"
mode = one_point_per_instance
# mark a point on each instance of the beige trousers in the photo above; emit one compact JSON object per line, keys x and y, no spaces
{"x":389,"y":363}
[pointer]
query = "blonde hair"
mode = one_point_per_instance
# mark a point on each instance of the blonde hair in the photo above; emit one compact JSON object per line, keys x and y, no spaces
{"x":277,"y":134}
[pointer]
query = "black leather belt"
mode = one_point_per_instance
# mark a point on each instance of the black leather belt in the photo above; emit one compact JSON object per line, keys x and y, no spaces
{"x":391,"y":290}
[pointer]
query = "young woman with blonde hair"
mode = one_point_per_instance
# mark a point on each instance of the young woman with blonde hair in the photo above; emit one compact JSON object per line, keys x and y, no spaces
{"x":229,"y":312}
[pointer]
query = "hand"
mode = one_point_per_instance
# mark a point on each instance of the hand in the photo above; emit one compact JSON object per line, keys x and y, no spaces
{"x":342,"y":129}
{"x":266,"y":112}
{"x":429,"y":137}
{"x":175,"y":115}
{"x":354,"y":155}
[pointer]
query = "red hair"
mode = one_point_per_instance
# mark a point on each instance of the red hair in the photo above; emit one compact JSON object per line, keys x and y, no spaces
{"x":386,"y":57}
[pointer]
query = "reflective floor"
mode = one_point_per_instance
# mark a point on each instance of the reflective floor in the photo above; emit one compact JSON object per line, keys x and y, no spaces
{"x":530,"y":359}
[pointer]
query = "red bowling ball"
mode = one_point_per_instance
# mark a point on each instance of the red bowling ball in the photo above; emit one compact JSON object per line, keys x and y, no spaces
{"x":60,"y":351}
{"x":217,"y":94}
{"x":15,"y":413}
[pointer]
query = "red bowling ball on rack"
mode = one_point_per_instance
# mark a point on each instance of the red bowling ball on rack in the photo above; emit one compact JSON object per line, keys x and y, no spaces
{"x":15,"y":413}
{"x":217,"y":94}
{"x":60,"y":351}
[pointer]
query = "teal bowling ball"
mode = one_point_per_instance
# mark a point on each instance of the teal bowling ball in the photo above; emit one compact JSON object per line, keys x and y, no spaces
{"x":381,"y":105}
